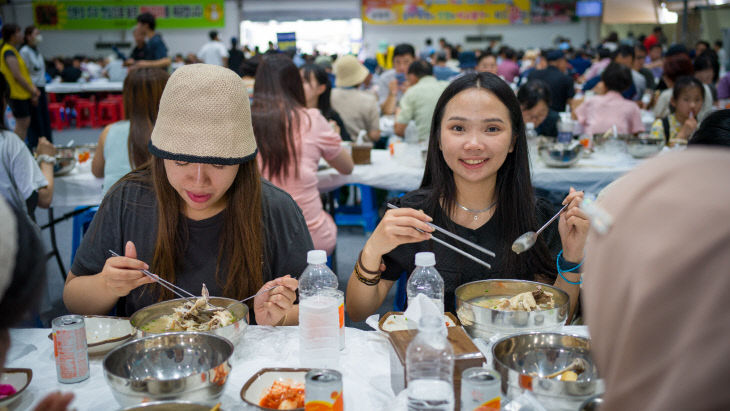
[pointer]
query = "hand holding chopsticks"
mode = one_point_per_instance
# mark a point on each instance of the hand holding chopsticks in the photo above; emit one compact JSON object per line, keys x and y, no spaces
{"x":457,"y":238}
{"x":154,"y":277}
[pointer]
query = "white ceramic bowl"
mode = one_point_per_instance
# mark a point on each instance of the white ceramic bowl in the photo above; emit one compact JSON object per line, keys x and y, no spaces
{"x":105,"y":333}
{"x":19,"y":378}
{"x":256,"y":386}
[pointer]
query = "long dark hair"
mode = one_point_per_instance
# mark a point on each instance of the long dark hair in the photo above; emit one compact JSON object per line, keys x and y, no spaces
{"x":320,"y":75}
{"x":141,"y":93}
{"x":275,"y":114}
{"x":8,"y":31}
{"x":515,"y":211}
{"x":241,"y":245}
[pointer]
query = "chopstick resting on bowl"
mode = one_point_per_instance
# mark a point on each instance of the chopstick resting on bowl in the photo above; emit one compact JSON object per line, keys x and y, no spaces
{"x":458,"y":238}
{"x":170,"y":286}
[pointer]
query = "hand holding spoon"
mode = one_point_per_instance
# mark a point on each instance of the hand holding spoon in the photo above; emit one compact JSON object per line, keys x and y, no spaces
{"x":527,"y":240}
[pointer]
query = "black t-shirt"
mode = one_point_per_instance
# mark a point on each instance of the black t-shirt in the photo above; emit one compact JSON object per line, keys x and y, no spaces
{"x":70,"y":74}
{"x":561,"y":86}
{"x":140,"y":53}
{"x":549,"y":126}
{"x":156,"y":48}
{"x":129,"y":213}
{"x":235,"y":59}
{"x":454,"y":268}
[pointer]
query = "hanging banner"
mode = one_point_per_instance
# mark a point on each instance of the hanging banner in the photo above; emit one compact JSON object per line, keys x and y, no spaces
{"x":456,"y":12}
{"x":122,"y":14}
{"x":286,"y":41}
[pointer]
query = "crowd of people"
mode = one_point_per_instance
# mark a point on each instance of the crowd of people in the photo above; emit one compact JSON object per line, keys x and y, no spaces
{"x":211,"y":175}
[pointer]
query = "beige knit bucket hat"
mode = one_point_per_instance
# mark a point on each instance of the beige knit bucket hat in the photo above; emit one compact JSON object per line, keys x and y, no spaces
{"x":349,"y":71}
{"x":204,"y":117}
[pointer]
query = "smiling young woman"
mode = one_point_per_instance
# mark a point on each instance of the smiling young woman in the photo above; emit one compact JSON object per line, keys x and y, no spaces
{"x":198,"y":212}
{"x":477,"y":185}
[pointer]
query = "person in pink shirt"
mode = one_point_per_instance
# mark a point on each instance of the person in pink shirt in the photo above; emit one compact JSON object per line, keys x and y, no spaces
{"x":602,"y":112}
{"x":508,"y":69}
{"x":292,"y":139}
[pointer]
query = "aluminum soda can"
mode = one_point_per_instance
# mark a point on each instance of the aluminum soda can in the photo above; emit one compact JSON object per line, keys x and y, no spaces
{"x":481,"y":390}
{"x":69,"y":349}
{"x":323,"y":390}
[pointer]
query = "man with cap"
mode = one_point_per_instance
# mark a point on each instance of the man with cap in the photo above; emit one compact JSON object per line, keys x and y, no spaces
{"x":561,"y":85}
{"x":358,"y":109}
{"x":214,"y":52}
{"x":197,"y":213}
{"x":392,"y":83}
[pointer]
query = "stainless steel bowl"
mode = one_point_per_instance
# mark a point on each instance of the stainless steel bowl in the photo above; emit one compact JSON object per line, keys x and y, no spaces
{"x":168,"y":406}
{"x":232,"y":332}
{"x":560,"y":155}
{"x":644,"y":146}
{"x":517,"y":356}
{"x":485,"y":322}
{"x":172,"y":366}
{"x":64,"y":165}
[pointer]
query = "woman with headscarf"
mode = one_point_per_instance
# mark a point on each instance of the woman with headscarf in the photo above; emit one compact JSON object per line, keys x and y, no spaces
{"x":656,"y":285}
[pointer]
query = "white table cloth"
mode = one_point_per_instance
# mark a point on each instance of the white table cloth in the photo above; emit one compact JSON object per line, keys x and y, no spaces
{"x":91,"y":87}
{"x":385,"y":172}
{"x":364,"y":363}
{"x":77,"y":188}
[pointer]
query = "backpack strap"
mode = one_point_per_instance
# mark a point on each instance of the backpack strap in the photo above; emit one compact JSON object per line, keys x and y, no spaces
{"x":665,"y":126}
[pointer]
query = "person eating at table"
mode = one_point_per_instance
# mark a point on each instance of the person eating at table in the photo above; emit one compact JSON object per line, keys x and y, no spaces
{"x":197,"y":212}
{"x":292,"y":139}
{"x":477,"y":185}
{"x":687,"y":99}
{"x":122,"y":145}
{"x":602,"y":112}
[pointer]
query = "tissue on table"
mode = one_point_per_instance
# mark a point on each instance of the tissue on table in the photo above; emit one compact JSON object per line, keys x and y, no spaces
{"x":419,"y":307}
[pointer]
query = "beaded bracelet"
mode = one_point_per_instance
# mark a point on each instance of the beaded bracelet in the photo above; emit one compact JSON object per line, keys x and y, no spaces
{"x":560,"y":271}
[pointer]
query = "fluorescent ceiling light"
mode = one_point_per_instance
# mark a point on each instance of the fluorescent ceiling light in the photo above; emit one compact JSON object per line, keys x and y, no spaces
{"x":666,"y":16}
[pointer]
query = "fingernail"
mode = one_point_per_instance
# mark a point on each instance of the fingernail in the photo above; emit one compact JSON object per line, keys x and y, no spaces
{"x":146,"y":267}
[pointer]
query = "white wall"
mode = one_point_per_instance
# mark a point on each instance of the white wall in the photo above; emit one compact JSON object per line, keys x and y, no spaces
{"x":533,"y":35}
{"x":72,"y":42}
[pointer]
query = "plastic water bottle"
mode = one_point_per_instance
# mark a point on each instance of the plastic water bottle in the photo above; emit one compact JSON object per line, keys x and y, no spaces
{"x":320,"y":309}
{"x":530,"y":131}
{"x":430,"y":368}
{"x":426,"y":280}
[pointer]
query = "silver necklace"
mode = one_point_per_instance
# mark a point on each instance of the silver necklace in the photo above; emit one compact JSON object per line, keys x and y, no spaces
{"x":475,"y":212}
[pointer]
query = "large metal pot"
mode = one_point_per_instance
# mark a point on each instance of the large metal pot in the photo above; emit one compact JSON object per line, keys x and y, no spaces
{"x":232,"y":332}
{"x":485,"y":322}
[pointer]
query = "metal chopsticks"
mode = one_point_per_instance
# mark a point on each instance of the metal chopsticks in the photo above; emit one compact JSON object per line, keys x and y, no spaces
{"x":170,"y":286}
{"x":458,"y":238}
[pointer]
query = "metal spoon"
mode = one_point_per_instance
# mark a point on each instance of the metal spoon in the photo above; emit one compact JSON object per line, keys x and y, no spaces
{"x":579,"y":365}
{"x":527,"y":240}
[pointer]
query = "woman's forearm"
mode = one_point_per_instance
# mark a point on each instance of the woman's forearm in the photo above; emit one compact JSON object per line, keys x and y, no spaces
{"x":80,"y":299}
{"x":362,"y":299}
{"x":573,"y":290}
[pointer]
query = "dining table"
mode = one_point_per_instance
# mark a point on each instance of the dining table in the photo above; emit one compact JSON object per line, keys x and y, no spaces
{"x":372,"y":374}
{"x":95,"y":86}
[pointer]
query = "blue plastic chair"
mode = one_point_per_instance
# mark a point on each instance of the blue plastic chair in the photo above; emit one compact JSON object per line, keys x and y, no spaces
{"x":81,"y":223}
{"x":365,"y":215}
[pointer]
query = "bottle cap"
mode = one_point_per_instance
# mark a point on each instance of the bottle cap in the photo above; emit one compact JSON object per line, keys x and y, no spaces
{"x":425,"y":259}
{"x":530,"y":125}
{"x":317,"y":257}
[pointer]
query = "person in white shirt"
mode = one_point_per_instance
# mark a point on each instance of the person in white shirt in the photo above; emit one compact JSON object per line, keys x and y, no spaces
{"x":214,"y":52}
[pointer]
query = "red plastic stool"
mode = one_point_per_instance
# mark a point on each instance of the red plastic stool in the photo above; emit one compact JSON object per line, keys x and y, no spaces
{"x":108,"y":112}
{"x":59,"y":120}
{"x":86,"y":114}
